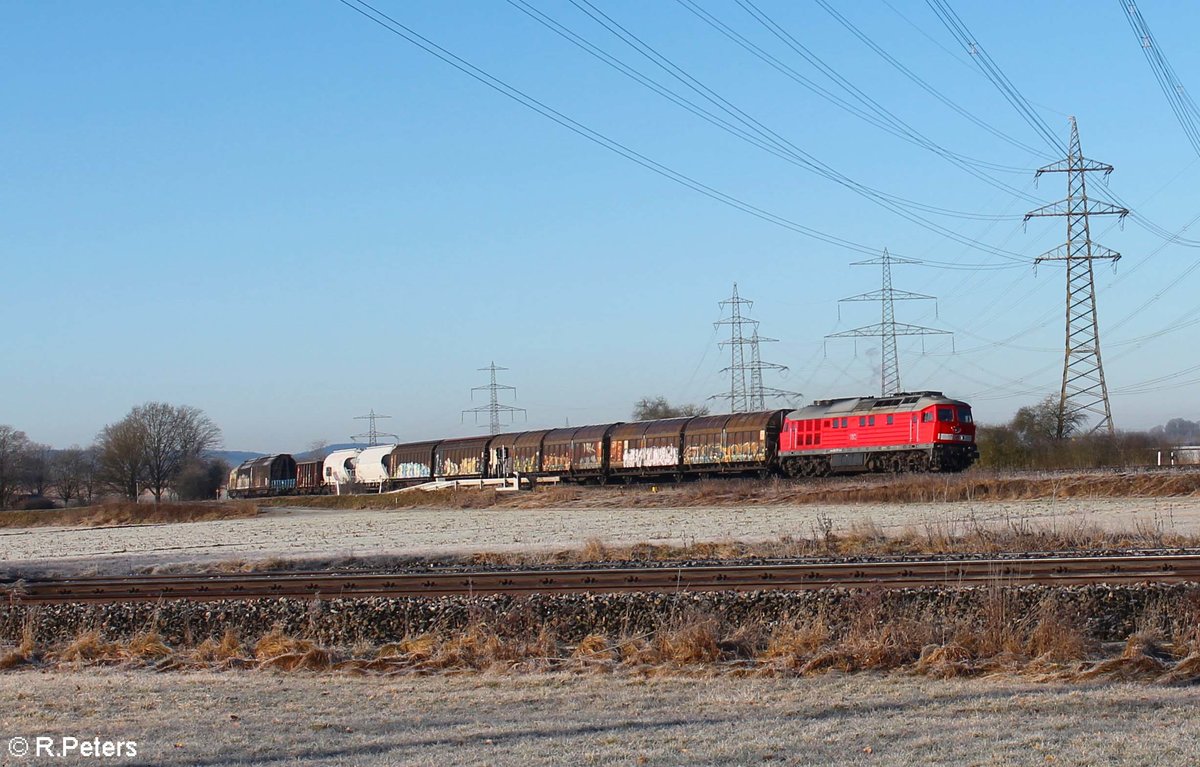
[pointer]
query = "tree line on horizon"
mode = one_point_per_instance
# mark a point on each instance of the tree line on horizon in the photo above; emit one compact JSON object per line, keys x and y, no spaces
{"x":157,"y":448}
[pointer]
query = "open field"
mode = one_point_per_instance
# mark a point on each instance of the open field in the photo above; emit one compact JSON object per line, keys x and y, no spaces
{"x":297,"y":533}
{"x":306,"y":719}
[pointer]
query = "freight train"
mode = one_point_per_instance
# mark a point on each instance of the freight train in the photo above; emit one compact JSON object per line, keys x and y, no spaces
{"x":906,"y":432}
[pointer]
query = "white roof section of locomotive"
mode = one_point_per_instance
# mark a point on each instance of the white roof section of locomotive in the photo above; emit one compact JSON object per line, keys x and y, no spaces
{"x":371,"y":465}
{"x":334,"y":469}
{"x":900,"y":402}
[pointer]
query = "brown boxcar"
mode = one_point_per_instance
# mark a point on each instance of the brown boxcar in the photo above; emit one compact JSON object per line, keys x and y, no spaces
{"x":589,"y":446}
{"x":647,"y":447}
{"x":527,"y":452}
{"x":308,"y":476}
{"x":738,"y":442}
{"x":460,"y":458}
{"x":500,"y":454}
{"x":412,"y":462}
{"x":556,"y":451}
{"x":515,"y":453}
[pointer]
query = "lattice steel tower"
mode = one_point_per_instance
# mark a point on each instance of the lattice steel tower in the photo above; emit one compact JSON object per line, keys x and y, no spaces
{"x":887,"y":329}
{"x":1084,"y":392}
{"x":372,"y":436}
{"x":746,"y":390}
{"x":494,"y":409}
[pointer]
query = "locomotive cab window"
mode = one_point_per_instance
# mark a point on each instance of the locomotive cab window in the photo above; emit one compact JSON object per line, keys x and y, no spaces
{"x":945,"y":414}
{"x":926,"y":417}
{"x":964,"y":414}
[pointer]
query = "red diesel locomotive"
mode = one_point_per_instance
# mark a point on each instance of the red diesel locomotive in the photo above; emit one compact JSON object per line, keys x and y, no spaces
{"x":910,"y":431}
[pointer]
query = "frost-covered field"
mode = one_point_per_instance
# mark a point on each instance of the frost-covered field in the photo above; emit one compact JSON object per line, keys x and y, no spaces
{"x":265,"y":718}
{"x":334,"y":533}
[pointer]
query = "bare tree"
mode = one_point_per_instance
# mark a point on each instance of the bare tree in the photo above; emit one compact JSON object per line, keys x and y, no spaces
{"x":121,"y":458}
{"x":89,"y":480}
{"x":651,"y":408}
{"x":14,"y":448}
{"x":36,"y":469}
{"x":69,"y":471}
{"x":175,"y":436}
{"x":1045,"y":421}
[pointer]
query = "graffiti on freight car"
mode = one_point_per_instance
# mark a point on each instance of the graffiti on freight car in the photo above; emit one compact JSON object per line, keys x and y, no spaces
{"x":556,"y":462}
{"x":526,"y":463}
{"x":411,"y":470}
{"x":738,"y":452}
{"x":704,"y":454}
{"x":666,"y":455}
{"x":452,"y":468}
{"x":588,"y":455}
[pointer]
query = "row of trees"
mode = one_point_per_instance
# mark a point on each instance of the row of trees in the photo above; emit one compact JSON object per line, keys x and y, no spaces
{"x":156,"y":447}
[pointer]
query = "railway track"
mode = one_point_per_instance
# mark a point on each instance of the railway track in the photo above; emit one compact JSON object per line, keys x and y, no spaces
{"x":1059,"y":571}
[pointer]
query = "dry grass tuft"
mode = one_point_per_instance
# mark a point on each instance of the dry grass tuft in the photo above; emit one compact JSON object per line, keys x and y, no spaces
{"x":23,"y":653}
{"x":1142,"y":658}
{"x":146,"y":646}
{"x":793,"y":644}
{"x":945,"y":661}
{"x":211,"y":651}
{"x":594,"y":651}
{"x":88,"y":647}
{"x":690,"y":643}
{"x":279,"y":651}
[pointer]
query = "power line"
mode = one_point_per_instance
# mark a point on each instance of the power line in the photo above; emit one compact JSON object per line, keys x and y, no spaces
{"x":387,"y":22}
{"x":922,"y":83}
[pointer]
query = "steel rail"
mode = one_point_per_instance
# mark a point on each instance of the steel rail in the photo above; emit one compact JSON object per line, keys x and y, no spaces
{"x":1179,"y":568}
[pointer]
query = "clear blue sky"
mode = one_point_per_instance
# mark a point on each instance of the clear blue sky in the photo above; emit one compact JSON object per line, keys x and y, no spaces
{"x":285,"y":215}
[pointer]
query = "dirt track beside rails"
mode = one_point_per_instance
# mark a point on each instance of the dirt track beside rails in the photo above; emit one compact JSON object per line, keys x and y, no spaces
{"x":297,"y":532}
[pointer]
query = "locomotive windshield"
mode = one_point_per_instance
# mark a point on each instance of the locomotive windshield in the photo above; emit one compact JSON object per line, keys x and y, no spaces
{"x":945,"y":414}
{"x":964,"y":415}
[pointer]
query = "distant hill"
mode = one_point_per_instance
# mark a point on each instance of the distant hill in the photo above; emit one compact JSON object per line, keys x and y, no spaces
{"x":234,"y":457}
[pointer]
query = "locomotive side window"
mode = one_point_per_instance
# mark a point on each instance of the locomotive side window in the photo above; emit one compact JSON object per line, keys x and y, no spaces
{"x":870,"y":420}
{"x":891,"y":420}
{"x":945,"y":414}
{"x":844,"y":423}
{"x":835,"y":423}
{"x":927,"y":417}
{"x":862,"y":420}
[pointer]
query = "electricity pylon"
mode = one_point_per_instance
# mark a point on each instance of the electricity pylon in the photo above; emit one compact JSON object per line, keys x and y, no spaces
{"x":494,"y":409}
{"x":759,"y":394}
{"x":1084,"y":392}
{"x":887,"y":329}
{"x":372,"y":436}
{"x":746,"y":390}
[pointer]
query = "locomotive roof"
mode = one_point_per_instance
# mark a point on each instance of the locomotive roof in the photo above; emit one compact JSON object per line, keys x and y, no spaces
{"x":901,"y":401}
